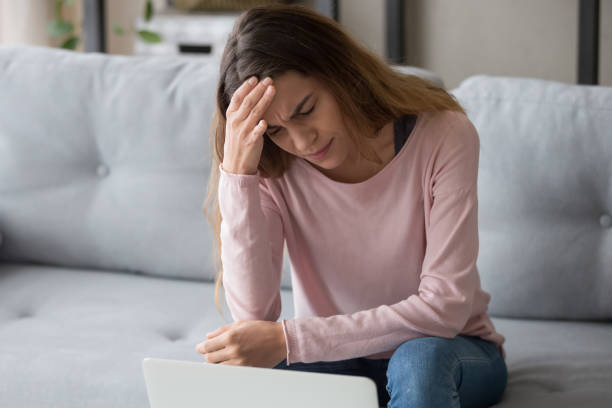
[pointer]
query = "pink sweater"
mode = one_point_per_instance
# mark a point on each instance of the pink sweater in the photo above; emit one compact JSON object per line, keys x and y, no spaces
{"x":374,"y":263}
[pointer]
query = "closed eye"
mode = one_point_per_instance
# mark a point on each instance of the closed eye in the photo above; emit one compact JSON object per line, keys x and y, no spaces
{"x":299,"y":114}
{"x":307,"y":113}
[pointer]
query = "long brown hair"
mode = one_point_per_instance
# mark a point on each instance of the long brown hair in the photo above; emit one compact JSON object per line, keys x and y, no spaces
{"x":269,"y":40}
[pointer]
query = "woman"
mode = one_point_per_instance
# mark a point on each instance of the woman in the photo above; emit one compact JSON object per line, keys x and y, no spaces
{"x":370,"y":177}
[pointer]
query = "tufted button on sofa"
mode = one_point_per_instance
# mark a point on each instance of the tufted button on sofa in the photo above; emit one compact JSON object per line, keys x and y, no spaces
{"x":605,"y":221}
{"x":102,"y":170}
{"x":105,"y":253}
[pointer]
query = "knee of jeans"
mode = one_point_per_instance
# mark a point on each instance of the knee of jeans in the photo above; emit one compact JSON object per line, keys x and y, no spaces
{"x":421,"y":352}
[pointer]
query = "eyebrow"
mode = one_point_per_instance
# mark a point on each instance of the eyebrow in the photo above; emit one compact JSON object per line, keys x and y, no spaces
{"x":298,"y":108}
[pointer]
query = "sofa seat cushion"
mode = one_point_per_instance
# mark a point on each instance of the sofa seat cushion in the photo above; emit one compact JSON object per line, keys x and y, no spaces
{"x":557,"y":363}
{"x":77,"y":338}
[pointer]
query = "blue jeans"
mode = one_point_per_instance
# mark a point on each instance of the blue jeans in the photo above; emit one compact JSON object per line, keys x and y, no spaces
{"x":465,"y":371}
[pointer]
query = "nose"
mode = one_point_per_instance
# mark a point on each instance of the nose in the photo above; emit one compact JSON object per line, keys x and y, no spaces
{"x":304,"y":140}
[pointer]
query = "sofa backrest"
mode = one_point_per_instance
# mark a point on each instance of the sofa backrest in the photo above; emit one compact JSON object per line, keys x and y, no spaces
{"x":104,"y":161}
{"x":544,"y":195}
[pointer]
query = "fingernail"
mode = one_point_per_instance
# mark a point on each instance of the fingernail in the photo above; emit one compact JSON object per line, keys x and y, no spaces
{"x":252,"y":80}
{"x":267,"y":80}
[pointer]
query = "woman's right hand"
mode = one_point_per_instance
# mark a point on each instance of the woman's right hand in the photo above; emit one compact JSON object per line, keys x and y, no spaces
{"x":244,"y":130}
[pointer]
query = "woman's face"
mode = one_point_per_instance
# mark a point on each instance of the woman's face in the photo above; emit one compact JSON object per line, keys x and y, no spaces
{"x":304,"y":118}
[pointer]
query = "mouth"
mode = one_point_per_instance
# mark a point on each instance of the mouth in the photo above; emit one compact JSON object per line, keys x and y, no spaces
{"x":321,"y":152}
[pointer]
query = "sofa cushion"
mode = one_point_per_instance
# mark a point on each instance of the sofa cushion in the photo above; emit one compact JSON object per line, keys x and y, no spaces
{"x":76,"y":337}
{"x":544,"y":195}
{"x":105,"y":160}
{"x":555,"y":363}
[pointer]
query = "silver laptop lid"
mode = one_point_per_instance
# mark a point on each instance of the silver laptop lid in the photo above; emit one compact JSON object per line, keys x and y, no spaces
{"x":188,"y":384}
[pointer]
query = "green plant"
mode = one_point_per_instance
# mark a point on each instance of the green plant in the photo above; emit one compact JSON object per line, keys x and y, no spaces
{"x":145,"y":35}
{"x":58,"y":27}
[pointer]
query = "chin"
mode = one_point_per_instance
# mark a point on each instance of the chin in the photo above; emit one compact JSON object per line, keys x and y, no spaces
{"x":328,"y":164}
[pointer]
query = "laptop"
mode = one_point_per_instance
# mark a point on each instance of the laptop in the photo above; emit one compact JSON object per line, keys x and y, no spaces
{"x":189,"y":384}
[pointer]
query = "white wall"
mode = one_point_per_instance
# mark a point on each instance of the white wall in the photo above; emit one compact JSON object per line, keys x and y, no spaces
{"x":455,"y":39}
{"x":124,"y":13}
{"x":365,"y":20}
{"x":528,"y":38}
{"x":25,"y":21}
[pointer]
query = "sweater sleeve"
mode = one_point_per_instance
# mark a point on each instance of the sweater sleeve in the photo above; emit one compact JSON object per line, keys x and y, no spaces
{"x":252,"y":242}
{"x":448,"y":279}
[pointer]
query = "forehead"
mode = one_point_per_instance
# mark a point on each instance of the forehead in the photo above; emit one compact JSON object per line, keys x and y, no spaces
{"x":291,"y":87}
{"x":293,"y":79}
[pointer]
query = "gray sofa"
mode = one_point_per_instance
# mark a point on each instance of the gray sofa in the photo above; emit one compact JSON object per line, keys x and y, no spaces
{"x":105,"y":253}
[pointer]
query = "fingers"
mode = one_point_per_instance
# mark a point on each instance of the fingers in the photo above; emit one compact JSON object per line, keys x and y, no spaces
{"x":218,"y":356}
{"x":210,"y":345}
{"x":214,"y":342}
{"x":250,"y":101}
{"x":240,"y":93}
{"x":231,"y":362}
{"x":217,"y":331}
{"x":259,"y":109}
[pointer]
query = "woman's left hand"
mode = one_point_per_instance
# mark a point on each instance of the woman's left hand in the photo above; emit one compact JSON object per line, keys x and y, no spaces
{"x":254,"y":343}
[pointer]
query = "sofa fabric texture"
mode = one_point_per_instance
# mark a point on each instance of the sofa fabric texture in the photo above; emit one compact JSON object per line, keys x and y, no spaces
{"x":105,"y":253}
{"x":545,"y":198}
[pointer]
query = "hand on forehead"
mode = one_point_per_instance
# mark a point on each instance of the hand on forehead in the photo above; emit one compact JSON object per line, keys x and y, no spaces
{"x":293,"y":91}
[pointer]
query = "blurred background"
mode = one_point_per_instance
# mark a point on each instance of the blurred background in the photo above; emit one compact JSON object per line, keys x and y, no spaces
{"x":546,"y":39}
